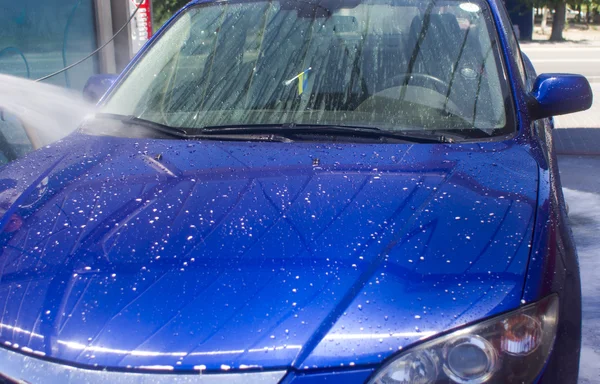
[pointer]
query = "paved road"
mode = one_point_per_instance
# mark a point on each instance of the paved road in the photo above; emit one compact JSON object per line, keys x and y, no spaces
{"x":566,"y":57}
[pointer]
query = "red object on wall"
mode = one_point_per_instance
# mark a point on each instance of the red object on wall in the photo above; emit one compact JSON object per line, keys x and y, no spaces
{"x":143,"y":18}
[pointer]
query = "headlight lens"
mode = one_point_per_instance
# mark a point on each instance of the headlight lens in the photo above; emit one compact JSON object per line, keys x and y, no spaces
{"x":511,"y":348}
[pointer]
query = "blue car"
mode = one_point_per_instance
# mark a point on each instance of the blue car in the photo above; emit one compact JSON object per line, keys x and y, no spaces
{"x":301,"y":192}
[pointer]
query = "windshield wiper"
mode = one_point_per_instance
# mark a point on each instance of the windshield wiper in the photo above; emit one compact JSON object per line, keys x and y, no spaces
{"x":289,"y":132}
{"x":297,"y":131}
{"x":133,"y":120}
{"x":186,"y":133}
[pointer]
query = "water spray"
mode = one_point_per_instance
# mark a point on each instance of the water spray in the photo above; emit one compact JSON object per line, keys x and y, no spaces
{"x":46,"y":112}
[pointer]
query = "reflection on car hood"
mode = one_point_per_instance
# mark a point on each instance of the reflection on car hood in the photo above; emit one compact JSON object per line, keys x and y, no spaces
{"x":169,"y":254}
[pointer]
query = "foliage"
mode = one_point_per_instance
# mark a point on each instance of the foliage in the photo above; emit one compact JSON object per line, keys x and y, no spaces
{"x":164,"y":9}
{"x":558,"y":7}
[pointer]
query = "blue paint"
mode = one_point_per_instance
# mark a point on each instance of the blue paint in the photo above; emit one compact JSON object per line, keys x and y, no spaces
{"x":97,"y":85}
{"x":559,"y":94}
{"x":262,"y":258}
{"x":247,"y":246}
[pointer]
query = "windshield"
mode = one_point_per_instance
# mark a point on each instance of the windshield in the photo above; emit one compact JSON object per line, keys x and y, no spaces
{"x":390,"y":64}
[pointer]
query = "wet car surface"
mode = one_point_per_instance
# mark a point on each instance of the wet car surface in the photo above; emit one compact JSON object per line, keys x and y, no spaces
{"x":173,"y":241}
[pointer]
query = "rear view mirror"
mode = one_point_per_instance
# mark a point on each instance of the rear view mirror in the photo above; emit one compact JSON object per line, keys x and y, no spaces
{"x":558,"y":94}
{"x":96,"y":87}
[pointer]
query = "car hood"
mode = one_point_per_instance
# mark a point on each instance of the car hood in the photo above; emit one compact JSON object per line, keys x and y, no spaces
{"x":180,"y":255}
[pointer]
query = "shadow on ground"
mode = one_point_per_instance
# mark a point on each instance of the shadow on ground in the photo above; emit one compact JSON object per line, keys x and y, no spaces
{"x":580,"y":177}
{"x":577,"y":141}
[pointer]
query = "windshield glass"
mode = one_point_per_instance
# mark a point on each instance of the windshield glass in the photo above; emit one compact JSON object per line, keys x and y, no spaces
{"x":390,"y":64}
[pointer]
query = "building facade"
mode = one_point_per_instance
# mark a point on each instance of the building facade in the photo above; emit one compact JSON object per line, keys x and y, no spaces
{"x":39,"y":37}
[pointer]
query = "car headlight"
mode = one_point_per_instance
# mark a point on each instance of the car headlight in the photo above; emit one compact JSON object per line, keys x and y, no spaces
{"x":511,"y":348}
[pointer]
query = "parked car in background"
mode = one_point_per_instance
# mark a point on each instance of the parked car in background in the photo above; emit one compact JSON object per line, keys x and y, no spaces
{"x":354,"y":191}
{"x":571,"y":14}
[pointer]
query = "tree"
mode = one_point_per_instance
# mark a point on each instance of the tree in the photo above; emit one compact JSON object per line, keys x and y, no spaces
{"x":164,"y":9}
{"x":558,"y":16}
{"x":558,"y":21}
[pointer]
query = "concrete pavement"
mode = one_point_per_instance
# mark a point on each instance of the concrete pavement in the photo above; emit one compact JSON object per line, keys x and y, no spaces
{"x":581,"y":185}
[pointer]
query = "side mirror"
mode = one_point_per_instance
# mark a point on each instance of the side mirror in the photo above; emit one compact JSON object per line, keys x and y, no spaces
{"x":96,"y":87}
{"x":558,"y":94}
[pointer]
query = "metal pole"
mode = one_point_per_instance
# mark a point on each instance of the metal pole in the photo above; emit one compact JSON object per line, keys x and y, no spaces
{"x":104,"y":32}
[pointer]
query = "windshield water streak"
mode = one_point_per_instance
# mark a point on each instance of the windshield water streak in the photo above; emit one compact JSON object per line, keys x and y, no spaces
{"x":389,"y":64}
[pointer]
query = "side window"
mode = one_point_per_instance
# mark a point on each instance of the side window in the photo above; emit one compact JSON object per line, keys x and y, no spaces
{"x":530,"y":73}
{"x":541,"y":128}
{"x":14,"y":141}
{"x":514,"y":46}
{"x":512,"y":40}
